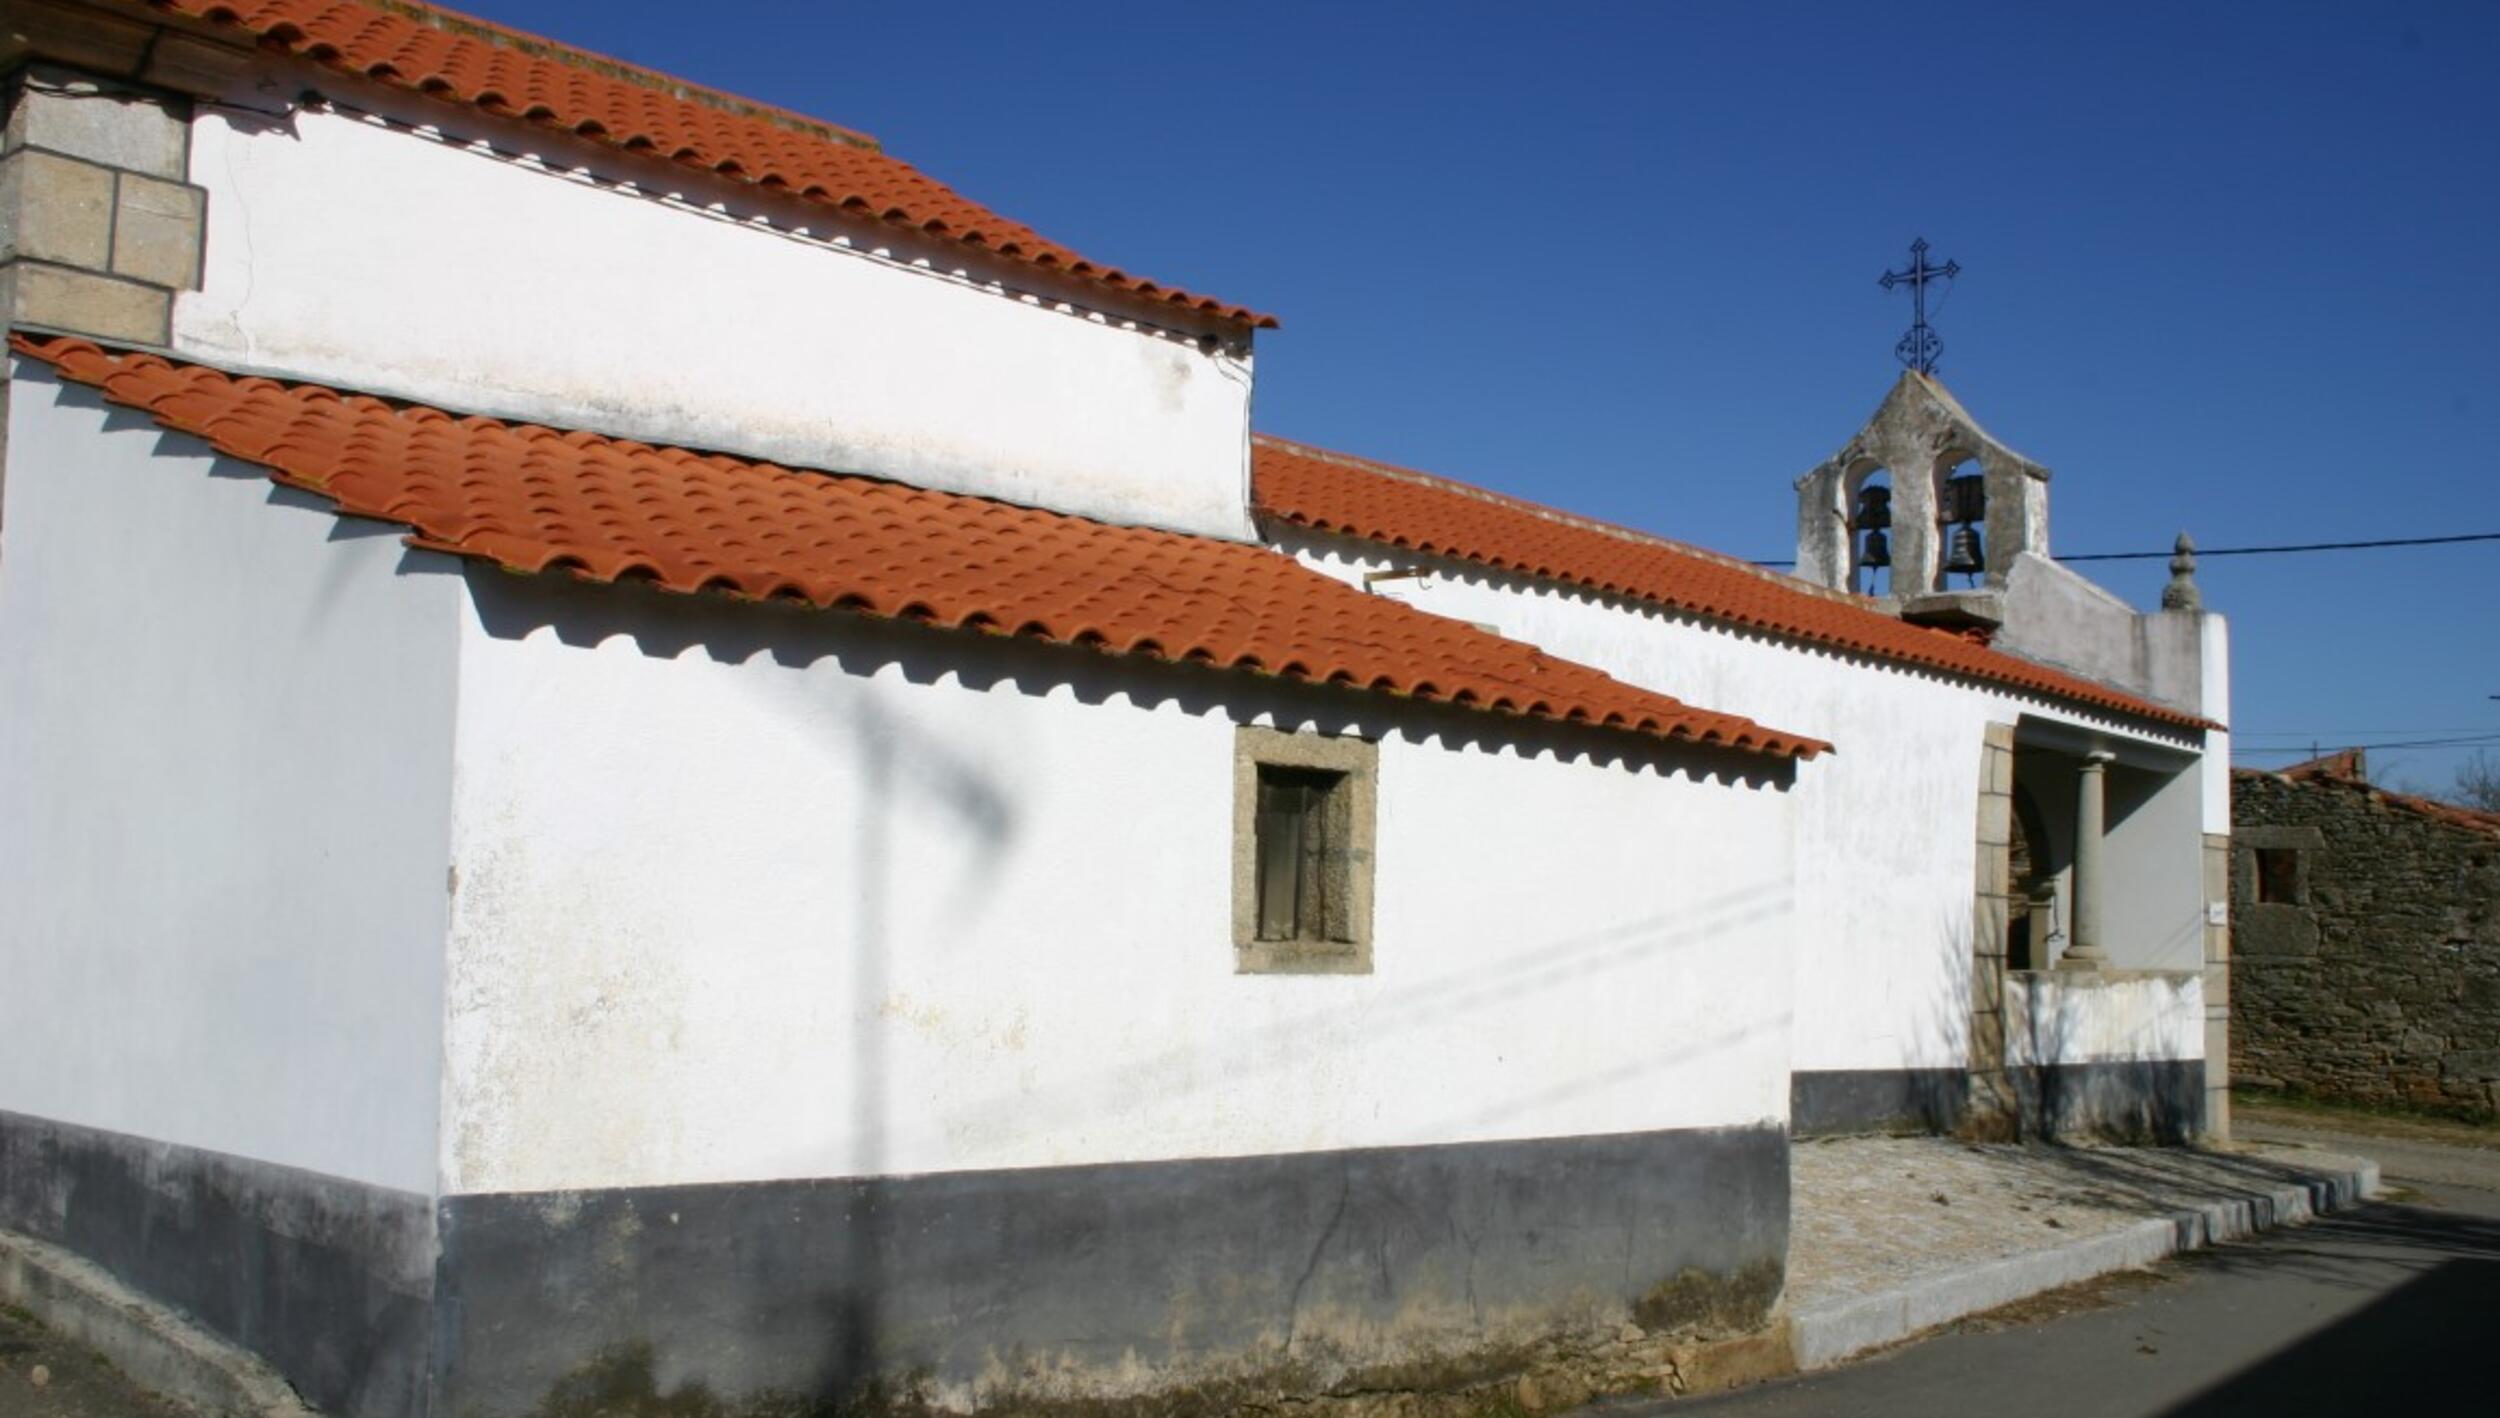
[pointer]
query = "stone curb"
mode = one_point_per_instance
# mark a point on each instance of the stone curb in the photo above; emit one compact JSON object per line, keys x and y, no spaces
{"x":1828,"y":1333}
{"x":156,"y":1347}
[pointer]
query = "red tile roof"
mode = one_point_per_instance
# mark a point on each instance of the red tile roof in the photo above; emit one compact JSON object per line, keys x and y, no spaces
{"x":444,"y":55}
{"x":1332,"y":492}
{"x":2351,"y":765}
{"x":534,"y":499}
{"x":2349,"y":770}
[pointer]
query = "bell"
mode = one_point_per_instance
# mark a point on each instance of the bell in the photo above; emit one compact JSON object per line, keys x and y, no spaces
{"x":1874,"y":508}
{"x":1878,"y":551}
{"x":1961,"y":553}
{"x":1965,"y":498}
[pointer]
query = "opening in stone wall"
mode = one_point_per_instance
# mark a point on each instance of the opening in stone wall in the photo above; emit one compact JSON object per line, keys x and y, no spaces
{"x":1870,"y":533}
{"x":2278,"y":876}
{"x":1961,"y":511}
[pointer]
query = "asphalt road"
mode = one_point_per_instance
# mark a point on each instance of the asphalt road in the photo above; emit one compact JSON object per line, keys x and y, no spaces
{"x":2406,"y":1161}
{"x":2395,"y":1305}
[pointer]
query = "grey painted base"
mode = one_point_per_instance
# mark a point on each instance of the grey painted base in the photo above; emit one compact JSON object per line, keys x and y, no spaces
{"x":2151,"y":1100}
{"x":2146,"y":1100}
{"x":331,"y":1282}
{"x":1837,"y":1102}
{"x":1020,"y":1285}
{"x":1201,"y":1280}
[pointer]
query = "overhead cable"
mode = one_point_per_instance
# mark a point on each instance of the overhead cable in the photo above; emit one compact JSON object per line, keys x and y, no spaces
{"x":2203,"y":552}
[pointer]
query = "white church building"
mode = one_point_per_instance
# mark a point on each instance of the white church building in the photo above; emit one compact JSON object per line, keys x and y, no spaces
{"x":841,"y":829}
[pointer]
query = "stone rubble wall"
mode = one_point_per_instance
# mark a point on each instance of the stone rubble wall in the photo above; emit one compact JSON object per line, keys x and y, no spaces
{"x":2379,"y":983}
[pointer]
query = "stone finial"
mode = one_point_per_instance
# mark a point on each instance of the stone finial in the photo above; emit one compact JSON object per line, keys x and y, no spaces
{"x":2181,"y":594}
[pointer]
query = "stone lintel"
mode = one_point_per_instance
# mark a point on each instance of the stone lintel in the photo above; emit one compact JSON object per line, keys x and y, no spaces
{"x":2264,"y":835}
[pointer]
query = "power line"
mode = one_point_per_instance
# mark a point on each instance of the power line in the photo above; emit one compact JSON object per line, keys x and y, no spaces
{"x":2307,"y":735}
{"x":2203,"y":552}
{"x":2477,"y":741}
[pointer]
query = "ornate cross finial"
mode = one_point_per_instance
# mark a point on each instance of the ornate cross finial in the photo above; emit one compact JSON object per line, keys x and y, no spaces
{"x":1920,"y":348}
{"x":2181,"y":594}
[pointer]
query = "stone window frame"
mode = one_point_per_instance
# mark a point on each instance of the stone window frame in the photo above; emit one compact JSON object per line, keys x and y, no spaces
{"x":2248,"y":841}
{"x":1359,"y":760}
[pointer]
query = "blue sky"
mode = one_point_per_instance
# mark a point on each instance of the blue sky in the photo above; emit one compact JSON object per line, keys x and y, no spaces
{"x":2228,"y":268}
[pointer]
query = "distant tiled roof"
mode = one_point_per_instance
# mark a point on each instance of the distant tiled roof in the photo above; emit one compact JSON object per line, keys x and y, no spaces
{"x":1332,"y":492}
{"x":2349,"y":770}
{"x":2351,"y":764}
{"x":459,"y":59}
{"x":534,"y":499}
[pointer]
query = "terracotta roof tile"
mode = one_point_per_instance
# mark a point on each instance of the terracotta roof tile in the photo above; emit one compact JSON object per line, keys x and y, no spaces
{"x":1331,"y":492}
{"x":2349,"y":770}
{"x":2351,"y":765}
{"x":535,"y":499}
{"x":459,"y":59}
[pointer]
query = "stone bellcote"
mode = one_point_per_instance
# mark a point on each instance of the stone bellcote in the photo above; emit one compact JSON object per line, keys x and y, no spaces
{"x":1953,"y":510}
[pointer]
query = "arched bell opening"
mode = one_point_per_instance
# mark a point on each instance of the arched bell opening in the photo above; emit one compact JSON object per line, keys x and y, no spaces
{"x":1870,"y":530}
{"x":1961,"y":519}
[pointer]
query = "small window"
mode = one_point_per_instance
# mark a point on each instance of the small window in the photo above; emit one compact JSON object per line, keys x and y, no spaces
{"x":2278,"y":875}
{"x":1301,"y":854}
{"x":1302,"y":858}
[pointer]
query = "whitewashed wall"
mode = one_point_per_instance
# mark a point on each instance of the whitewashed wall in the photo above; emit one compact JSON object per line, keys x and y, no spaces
{"x":502,"y":270}
{"x":750,"y":893}
{"x":225,"y":755}
{"x":2214,"y":807}
{"x":2153,"y":908}
{"x":1886,"y":825}
{"x":2057,"y":1017}
{"x":2058,"y":616}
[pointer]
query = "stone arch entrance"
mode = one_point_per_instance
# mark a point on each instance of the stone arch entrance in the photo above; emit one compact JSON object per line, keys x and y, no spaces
{"x":1990,"y":1109}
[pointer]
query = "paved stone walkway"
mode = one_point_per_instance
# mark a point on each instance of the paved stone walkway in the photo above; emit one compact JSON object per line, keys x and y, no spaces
{"x":43,"y":1375}
{"x":1875,"y":1214}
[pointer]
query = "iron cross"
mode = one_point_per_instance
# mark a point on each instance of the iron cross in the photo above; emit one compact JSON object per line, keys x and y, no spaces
{"x":1920,"y":348}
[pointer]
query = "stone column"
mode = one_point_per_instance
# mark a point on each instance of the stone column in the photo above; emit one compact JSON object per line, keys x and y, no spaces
{"x":2083,"y":946}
